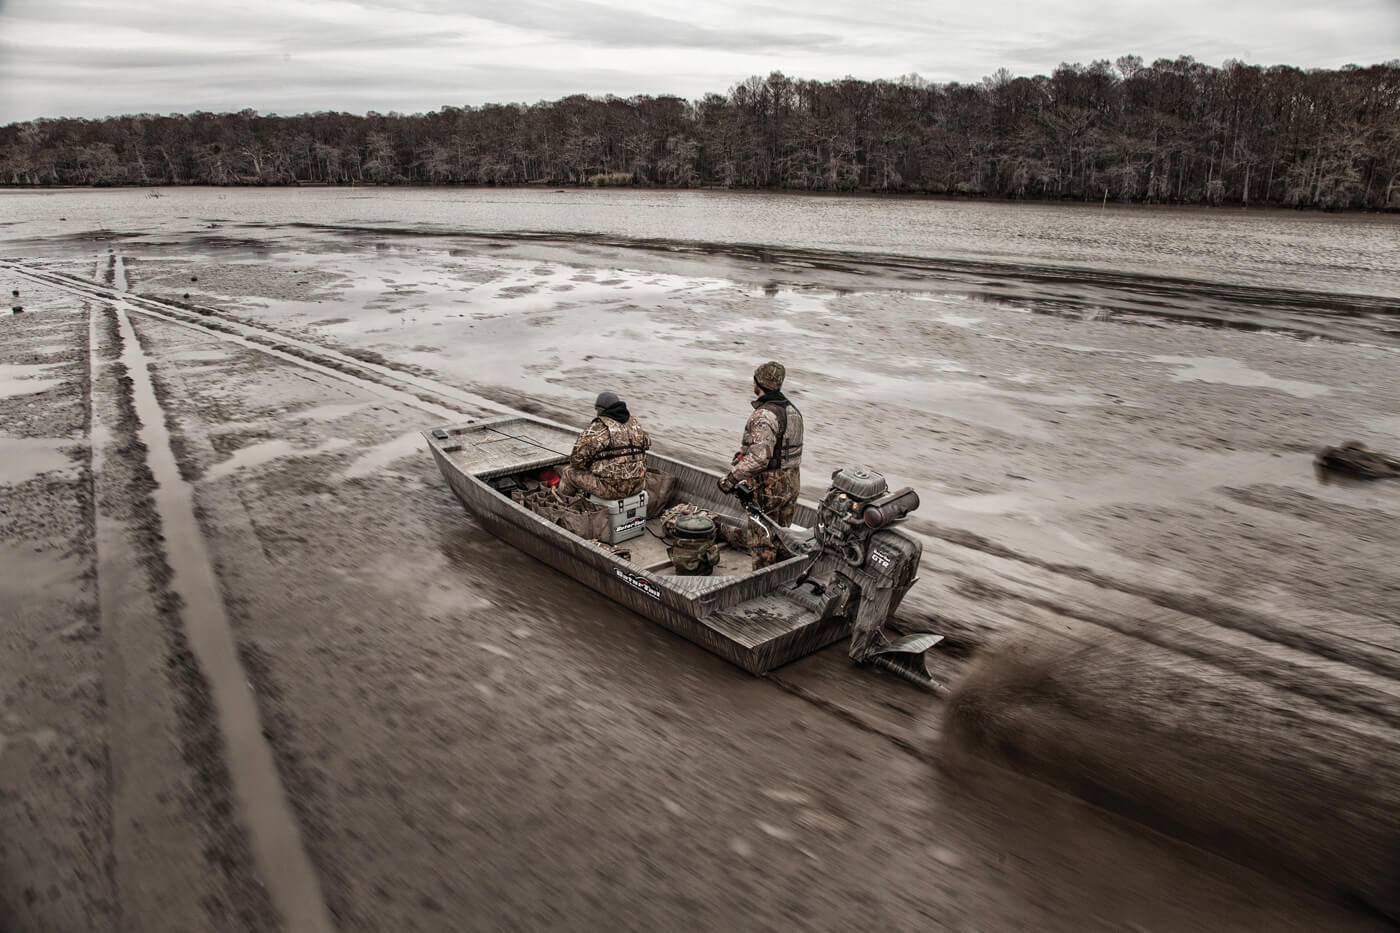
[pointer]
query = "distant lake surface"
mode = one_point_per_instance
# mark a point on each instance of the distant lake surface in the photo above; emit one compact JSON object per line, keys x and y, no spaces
{"x":1356,"y":254}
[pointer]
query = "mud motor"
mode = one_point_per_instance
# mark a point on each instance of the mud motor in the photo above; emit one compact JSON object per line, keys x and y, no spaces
{"x":864,"y":567}
{"x":861,"y":567}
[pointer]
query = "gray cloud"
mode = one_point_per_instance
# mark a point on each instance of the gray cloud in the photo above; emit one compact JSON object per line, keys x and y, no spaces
{"x":59,"y":60}
{"x":255,"y":25}
{"x":93,"y":57}
{"x":610,"y":26}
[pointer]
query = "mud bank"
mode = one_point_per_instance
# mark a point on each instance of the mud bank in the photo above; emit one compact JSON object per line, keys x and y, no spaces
{"x":55,"y":784}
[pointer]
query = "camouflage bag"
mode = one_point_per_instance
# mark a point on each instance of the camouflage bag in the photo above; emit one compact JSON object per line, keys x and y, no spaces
{"x":691,"y":545}
{"x":543,"y":502}
{"x":669,"y":517}
{"x":577,"y":514}
{"x":583,"y":517}
{"x":661,"y":488}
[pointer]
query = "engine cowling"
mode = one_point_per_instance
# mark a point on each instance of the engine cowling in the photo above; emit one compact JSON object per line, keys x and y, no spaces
{"x":858,"y":504}
{"x":869,"y":566}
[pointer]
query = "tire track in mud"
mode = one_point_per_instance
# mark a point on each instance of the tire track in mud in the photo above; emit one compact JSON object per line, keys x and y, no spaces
{"x":221,"y":732}
{"x":373,"y":375}
{"x":1369,"y":656}
{"x":274,"y":837}
{"x":156,"y":863}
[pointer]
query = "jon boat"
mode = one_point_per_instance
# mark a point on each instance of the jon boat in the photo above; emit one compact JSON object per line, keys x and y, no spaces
{"x":846,"y":578}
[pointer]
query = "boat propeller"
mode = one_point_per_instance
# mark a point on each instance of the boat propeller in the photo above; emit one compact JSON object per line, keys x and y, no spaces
{"x":907,"y":657}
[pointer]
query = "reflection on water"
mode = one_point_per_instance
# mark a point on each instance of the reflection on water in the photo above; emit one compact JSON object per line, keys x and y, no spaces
{"x":1223,"y":371}
{"x":1042,"y":509}
{"x":23,"y":458}
{"x":17,"y":380}
{"x":258,"y":454}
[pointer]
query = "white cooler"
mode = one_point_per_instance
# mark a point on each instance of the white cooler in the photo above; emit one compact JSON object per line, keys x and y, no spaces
{"x":627,"y":518}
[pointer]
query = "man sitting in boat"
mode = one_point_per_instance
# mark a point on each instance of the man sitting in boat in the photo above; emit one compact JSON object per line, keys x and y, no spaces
{"x":609,"y":458}
{"x":769,"y":460}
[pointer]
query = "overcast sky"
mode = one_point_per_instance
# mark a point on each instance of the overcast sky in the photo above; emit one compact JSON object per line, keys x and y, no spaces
{"x":93,"y":58}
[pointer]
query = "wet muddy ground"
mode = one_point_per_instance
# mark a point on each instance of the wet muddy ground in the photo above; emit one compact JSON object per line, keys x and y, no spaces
{"x":469,"y":740}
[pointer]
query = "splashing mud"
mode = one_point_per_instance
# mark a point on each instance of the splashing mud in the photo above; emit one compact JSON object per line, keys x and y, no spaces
{"x":1222,"y":761}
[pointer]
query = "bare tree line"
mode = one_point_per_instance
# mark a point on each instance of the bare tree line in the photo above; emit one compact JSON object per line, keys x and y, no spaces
{"x":1175,"y":131}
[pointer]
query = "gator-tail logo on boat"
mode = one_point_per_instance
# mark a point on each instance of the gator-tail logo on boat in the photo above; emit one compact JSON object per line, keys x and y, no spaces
{"x":640,"y":583}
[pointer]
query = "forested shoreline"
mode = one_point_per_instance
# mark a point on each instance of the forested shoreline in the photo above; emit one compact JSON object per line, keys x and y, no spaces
{"x":1176,"y":131}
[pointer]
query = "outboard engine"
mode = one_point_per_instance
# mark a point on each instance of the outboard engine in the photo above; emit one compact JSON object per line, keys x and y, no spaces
{"x":864,"y":566}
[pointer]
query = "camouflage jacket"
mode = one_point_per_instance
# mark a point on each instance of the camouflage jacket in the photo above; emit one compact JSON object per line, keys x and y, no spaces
{"x":761,"y":434}
{"x":612,"y":451}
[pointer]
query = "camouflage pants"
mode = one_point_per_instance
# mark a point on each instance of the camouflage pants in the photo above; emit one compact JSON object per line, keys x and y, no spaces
{"x":775,"y":492}
{"x":573,"y":480}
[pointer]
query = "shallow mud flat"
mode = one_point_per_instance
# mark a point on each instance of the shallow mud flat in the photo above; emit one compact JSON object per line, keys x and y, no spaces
{"x":469,"y":740}
{"x":55,"y":789}
{"x":1075,"y":437}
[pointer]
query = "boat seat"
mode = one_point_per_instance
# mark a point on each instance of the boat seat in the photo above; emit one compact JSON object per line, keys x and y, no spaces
{"x":627,"y":518}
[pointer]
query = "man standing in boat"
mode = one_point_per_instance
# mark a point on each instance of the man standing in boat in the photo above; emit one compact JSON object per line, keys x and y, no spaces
{"x":609,"y":458}
{"x":769,"y":460}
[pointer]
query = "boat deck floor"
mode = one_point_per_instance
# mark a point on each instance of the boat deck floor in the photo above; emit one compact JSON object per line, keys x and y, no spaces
{"x":781,"y":624}
{"x":648,"y":553}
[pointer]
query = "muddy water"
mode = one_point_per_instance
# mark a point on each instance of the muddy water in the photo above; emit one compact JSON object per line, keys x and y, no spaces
{"x":16,"y":380}
{"x":1348,"y":253}
{"x":1224,"y":371}
{"x":22,"y":458}
{"x":258,"y":454}
{"x":611,"y":668}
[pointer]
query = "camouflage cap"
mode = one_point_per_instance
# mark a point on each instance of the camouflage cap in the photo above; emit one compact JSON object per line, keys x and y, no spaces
{"x":770,"y":375}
